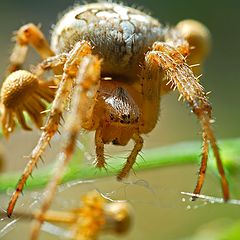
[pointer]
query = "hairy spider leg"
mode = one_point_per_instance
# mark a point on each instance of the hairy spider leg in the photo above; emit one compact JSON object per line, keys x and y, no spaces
{"x":194,"y":42}
{"x":170,"y":57}
{"x":100,"y":159}
{"x":151,"y":90}
{"x":28,"y":34}
{"x":203,"y":166}
{"x":70,"y":70}
{"x":87,"y":84}
{"x":132,"y":157}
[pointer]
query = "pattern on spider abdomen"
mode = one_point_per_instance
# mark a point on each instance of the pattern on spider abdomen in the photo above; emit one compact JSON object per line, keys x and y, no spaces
{"x":120,"y":35}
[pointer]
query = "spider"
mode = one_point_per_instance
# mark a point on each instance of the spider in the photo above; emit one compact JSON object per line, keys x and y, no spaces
{"x":111,"y":64}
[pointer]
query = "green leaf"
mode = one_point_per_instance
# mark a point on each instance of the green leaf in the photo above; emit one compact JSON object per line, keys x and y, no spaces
{"x":177,"y":154}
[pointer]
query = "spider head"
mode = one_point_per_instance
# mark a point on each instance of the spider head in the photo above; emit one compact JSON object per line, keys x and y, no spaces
{"x":121,"y":107}
{"x":120,"y":112}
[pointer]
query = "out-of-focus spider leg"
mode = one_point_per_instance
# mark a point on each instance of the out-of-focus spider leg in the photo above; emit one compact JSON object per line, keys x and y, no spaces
{"x":132,"y":157}
{"x":28,"y":34}
{"x":69,"y":74}
{"x":87,"y":84}
{"x":170,"y":57}
{"x":51,"y":63}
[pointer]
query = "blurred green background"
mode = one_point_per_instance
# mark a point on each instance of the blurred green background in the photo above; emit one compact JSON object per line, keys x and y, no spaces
{"x":160,"y":215}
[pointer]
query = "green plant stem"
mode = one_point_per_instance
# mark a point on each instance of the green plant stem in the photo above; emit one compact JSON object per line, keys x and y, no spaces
{"x":177,"y":154}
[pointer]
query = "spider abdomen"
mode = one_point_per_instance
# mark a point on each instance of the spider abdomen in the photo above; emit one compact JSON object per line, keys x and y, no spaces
{"x":120,"y":35}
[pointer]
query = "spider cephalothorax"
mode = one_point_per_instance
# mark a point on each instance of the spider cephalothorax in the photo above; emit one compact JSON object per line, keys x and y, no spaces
{"x":115,"y":63}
